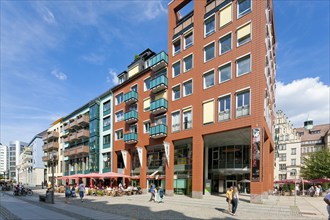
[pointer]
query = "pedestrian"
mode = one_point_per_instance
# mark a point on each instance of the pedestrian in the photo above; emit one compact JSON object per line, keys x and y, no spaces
{"x":42,"y":184}
{"x":67,"y":192}
{"x":327,"y":201}
{"x":152,"y":191}
{"x":81,"y":191}
{"x":235,"y":199}
{"x":229,"y":197}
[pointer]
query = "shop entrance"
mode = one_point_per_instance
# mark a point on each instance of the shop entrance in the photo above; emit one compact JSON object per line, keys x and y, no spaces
{"x":230,"y":183}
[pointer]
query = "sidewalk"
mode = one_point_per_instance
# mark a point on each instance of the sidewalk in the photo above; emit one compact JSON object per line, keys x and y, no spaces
{"x":180,"y":207}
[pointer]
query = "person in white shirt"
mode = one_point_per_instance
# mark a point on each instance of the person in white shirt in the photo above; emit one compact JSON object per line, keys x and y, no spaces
{"x":81,"y":191}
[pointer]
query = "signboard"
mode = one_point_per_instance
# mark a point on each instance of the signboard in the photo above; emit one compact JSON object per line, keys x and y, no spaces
{"x":124,"y":154}
{"x":167,"y":152}
{"x":256,"y":154}
{"x":139,"y":150}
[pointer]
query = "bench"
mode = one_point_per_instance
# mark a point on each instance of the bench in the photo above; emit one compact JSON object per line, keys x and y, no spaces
{"x":46,"y":198}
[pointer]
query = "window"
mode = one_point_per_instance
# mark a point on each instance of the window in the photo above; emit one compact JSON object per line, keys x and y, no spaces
{"x":161,"y":120}
{"x":244,"y":34}
{"x":282,"y":147}
{"x":119,"y":116}
{"x":176,"y":47}
{"x":146,"y":104}
{"x":224,"y":108}
{"x":225,"y":44}
{"x":147,"y":84}
{"x":133,"y":128}
{"x":176,"y":121}
{"x":106,"y":123}
{"x":293,"y":151}
{"x":293,"y":162}
{"x":176,"y":69}
{"x":133,"y":107}
{"x":187,"y":119}
{"x":134,"y":88}
{"x":208,"y":112}
{"x":226,"y":15}
{"x":243,"y":103}
{"x":282,"y":157}
{"x":243,"y":7}
{"x":283,"y":166}
{"x":188,"y":63}
{"x":225,"y":73}
{"x":146,"y":127}
{"x":106,"y":141}
{"x":209,"y":26}
{"x":119,"y":135}
{"x":106,"y":107}
{"x":119,"y":98}
{"x":243,"y":65}
{"x":188,"y":40}
{"x":208,"y":79}
{"x":187,"y":88}
{"x":209,"y":52}
{"x":176,"y":92}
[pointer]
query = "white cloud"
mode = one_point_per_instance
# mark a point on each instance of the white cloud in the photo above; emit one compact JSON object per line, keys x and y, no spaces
{"x":60,"y":75}
{"x":153,"y":9}
{"x":112,"y":77}
{"x":94,"y":58}
{"x":304,"y":98}
{"x":47,"y":15}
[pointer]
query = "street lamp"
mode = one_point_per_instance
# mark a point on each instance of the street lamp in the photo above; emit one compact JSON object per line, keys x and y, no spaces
{"x":18,"y":168}
{"x":53,"y":158}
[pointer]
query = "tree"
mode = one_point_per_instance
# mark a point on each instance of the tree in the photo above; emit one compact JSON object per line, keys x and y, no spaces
{"x":316,"y":165}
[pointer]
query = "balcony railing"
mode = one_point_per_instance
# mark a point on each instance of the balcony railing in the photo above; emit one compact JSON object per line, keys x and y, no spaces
{"x":83,"y":121}
{"x":74,"y":124}
{"x":158,"y":131}
{"x":73,"y":137}
{"x":83,"y":133}
{"x":130,"y":137}
{"x":224,"y":115}
{"x":158,"y":61}
{"x":78,"y":150}
{"x":159,"y":106}
{"x":158,"y":84}
{"x":130,"y":97}
{"x":50,"y":146}
{"x":131,"y":116}
{"x":242,"y":110}
{"x":50,"y":136}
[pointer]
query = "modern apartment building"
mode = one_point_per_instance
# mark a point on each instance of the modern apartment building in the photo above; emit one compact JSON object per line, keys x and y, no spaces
{"x":287,"y":149}
{"x":222,"y":71}
{"x":4,"y":161}
{"x":14,"y":151}
{"x":31,"y":167}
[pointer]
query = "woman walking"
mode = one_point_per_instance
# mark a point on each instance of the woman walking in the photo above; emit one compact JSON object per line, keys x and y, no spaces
{"x":67,"y":192}
{"x":81,"y":191}
{"x":235,"y":200}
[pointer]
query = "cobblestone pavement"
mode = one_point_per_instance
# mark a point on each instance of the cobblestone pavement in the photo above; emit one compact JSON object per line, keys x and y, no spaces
{"x":182,"y":207}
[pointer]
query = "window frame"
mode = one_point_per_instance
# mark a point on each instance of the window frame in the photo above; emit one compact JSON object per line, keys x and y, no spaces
{"x":116,"y":115}
{"x":247,"y":11}
{"x":231,"y":72}
{"x":176,"y":40}
{"x":122,"y":134}
{"x":184,"y":62}
{"x":241,"y":58}
{"x":116,"y":97}
{"x":176,"y":125}
{"x":242,"y":92}
{"x":144,"y":84}
{"x":205,"y":73}
{"x":173,"y":94}
{"x":191,"y":123}
{"x":183,"y":87}
{"x":224,"y":97}
{"x":231,"y":43}
{"x":145,"y":130}
{"x":204,"y":51}
{"x":188,"y":33}
{"x":174,"y":64}
{"x":204,"y":24}
{"x":238,"y":43}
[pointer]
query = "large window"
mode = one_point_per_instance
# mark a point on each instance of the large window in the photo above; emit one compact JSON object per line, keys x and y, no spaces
{"x":225,"y":73}
{"x":244,"y":34}
{"x":188,"y":40}
{"x":209,"y":26}
{"x":147,"y":84}
{"x":106,"y":123}
{"x":225,"y":44}
{"x":243,"y":103}
{"x":146,"y":127}
{"x":187,"y":119}
{"x":119,"y":134}
{"x":293,"y":162}
{"x":106,"y":141}
{"x":226,"y":15}
{"x":243,"y":65}
{"x":224,"y":108}
{"x":176,"y":121}
{"x":282,"y":157}
{"x":176,"y":46}
{"x":176,"y":69}
{"x":209,"y":52}
{"x":188,"y":63}
{"x":187,"y":88}
{"x":208,"y":112}
{"x":119,"y":98}
{"x":208,"y":79}
{"x":293,"y":151}
{"x":119,"y":116}
{"x":176,"y":92}
{"x":107,"y":107}
{"x":283,"y":166}
{"x":243,"y":7}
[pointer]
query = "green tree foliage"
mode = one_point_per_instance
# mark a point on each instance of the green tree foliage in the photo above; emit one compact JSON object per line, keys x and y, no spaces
{"x":316,"y":165}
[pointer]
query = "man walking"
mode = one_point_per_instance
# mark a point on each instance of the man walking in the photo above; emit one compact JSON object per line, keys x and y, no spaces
{"x":81,"y":190}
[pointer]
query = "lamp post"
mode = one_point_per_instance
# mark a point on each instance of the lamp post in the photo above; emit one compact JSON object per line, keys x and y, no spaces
{"x":53,"y":157}
{"x":18,"y":168}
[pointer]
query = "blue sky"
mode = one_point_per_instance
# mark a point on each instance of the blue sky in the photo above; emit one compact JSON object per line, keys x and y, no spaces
{"x":58,"y":55}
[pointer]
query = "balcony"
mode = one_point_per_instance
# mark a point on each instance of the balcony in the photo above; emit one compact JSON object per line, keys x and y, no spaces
{"x":158,"y":84}
{"x":73,"y":137}
{"x":66,"y":127}
{"x":130,"y":97}
{"x":159,"y":106}
{"x":74,"y":124}
{"x":26,"y":165}
{"x":26,"y":157}
{"x":45,"y":158}
{"x":76,"y":151}
{"x":83,"y":121}
{"x":158,"y":61}
{"x":83,"y":133}
{"x":131,"y":116}
{"x":131,"y":138}
{"x":242,"y":111}
{"x":50,"y":136}
{"x":158,"y":131}
{"x":224,"y":115}
{"x":50,"y":146}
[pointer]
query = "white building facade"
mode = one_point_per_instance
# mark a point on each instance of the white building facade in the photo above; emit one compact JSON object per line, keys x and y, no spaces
{"x":14,"y":151}
{"x":4,"y":161}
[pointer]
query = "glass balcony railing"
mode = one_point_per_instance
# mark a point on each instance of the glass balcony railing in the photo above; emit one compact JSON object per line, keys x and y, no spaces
{"x":131,"y":115}
{"x":162,"y":56}
{"x":158,"y":130}
{"x":160,"y":104}
{"x":160,"y":81}
{"x":130,"y":137}
{"x":131,"y":96}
